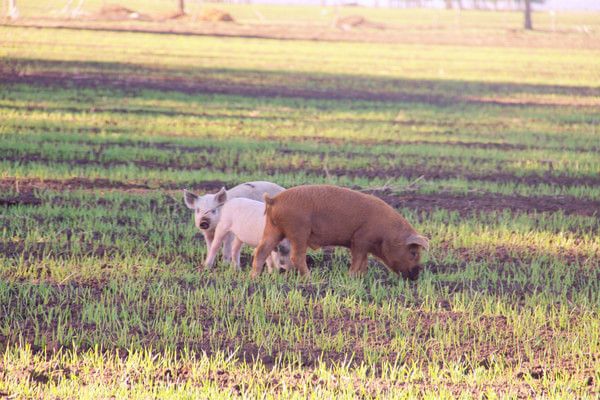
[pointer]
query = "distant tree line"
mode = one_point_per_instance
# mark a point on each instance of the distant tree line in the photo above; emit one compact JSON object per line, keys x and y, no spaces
{"x":524,"y":5}
{"x":13,"y":12}
{"x":467,"y":4}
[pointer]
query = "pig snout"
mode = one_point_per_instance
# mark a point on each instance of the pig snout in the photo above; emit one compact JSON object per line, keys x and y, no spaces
{"x":283,"y":265}
{"x":204,"y":223}
{"x":412,"y":274}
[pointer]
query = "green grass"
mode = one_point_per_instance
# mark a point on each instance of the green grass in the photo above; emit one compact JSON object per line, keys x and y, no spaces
{"x":99,"y":291}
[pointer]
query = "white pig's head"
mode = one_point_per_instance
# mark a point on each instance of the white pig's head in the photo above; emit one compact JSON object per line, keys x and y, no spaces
{"x":281,"y":256}
{"x":207,"y":208}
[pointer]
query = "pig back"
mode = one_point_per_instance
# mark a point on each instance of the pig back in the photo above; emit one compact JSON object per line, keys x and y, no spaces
{"x":254,"y":190}
{"x":332,"y":213}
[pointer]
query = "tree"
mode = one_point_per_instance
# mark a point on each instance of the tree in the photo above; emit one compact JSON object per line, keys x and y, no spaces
{"x":528,"y":24}
{"x":528,"y":11}
{"x":181,"y":4}
{"x":13,"y":11}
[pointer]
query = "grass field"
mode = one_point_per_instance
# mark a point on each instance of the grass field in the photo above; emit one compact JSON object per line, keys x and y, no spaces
{"x":492,"y":151}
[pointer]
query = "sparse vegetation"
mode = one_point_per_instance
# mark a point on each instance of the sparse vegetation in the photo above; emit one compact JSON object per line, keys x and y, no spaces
{"x":99,"y":294}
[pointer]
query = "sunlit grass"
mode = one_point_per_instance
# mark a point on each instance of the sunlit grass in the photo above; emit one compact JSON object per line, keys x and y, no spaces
{"x":99,"y":289}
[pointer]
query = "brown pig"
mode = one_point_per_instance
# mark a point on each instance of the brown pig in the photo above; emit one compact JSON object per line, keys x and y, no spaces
{"x":323,"y":215}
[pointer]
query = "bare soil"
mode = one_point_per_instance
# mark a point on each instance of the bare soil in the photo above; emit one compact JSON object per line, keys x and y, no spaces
{"x":276,"y":88}
{"x":494,"y":202}
{"x":285,"y":149}
{"x":214,"y":15}
{"x":367,"y":31}
{"x":464,"y":204}
{"x":426,"y":323}
{"x":356,"y":22}
{"x":509,"y":350}
{"x":116,"y":12}
{"x":410,"y":170}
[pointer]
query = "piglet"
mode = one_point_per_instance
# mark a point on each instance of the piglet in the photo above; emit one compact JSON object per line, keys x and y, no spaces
{"x":322,"y":215}
{"x":207,"y":208}
{"x":245,"y":220}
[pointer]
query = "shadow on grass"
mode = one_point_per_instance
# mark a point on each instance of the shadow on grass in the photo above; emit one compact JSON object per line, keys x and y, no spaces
{"x":269,"y":83}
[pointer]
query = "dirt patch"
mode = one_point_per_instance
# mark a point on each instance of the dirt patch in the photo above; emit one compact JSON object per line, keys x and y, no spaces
{"x":355,"y":22}
{"x":471,"y":351}
{"x":410,"y":171}
{"x":465,"y":205}
{"x":29,"y":185}
{"x":272,"y":86}
{"x":206,"y":85}
{"x":457,"y":143}
{"x":285,"y":149}
{"x":25,"y":199}
{"x":116,"y":12}
{"x":522,"y":255}
{"x":67,"y":184}
{"x":214,"y":15}
{"x":422,"y":34}
{"x":170,"y":16}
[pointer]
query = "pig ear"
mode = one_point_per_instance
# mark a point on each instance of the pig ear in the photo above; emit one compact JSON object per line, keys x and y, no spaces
{"x":268,"y":200}
{"x":221,"y":196}
{"x":189,"y":198}
{"x":418,"y":240}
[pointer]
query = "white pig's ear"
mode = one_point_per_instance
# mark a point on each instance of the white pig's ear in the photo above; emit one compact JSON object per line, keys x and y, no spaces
{"x":418,"y":240}
{"x":221,"y":196}
{"x":189,"y":198}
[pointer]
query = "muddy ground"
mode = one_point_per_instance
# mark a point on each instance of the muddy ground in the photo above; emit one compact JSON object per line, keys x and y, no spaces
{"x":410,"y":170}
{"x":464,"y":204}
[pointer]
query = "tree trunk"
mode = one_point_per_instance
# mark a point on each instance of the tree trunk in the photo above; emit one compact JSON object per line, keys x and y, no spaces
{"x":528,"y":24}
{"x":448,"y":4}
{"x":181,"y":4}
{"x":13,"y":11}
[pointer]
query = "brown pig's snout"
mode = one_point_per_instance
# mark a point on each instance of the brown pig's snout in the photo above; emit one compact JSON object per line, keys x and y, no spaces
{"x":412,"y":274}
{"x":204,"y":223}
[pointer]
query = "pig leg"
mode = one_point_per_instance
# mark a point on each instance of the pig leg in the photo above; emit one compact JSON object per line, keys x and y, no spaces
{"x":270,"y":263}
{"x":298,"y":257}
{"x":208,"y":239}
{"x":220,"y":234}
{"x":236,"y":248}
{"x":227,"y":244}
{"x":359,"y":260}
{"x":270,"y":240}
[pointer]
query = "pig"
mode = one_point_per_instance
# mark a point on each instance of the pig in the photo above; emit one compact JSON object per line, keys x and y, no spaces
{"x":245,"y":219}
{"x":324,"y":215}
{"x":207,"y":208}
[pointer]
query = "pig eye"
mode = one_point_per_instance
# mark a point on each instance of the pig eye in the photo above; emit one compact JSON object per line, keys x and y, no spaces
{"x":214,"y":211}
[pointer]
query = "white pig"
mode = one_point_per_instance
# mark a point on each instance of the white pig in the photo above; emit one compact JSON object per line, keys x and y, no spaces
{"x":245,"y":219}
{"x":207,"y":208}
